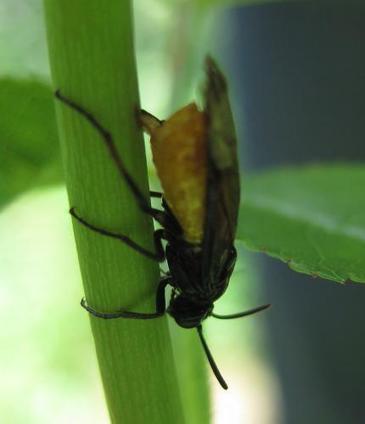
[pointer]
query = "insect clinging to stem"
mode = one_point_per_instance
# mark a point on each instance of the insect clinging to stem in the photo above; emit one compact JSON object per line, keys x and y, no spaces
{"x":196,"y":160}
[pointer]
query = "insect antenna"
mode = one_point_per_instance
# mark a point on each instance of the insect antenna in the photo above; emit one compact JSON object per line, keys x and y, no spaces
{"x":242,"y":314}
{"x":211,"y":361}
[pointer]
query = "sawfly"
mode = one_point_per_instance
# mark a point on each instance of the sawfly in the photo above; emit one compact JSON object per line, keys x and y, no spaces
{"x":195,"y":155}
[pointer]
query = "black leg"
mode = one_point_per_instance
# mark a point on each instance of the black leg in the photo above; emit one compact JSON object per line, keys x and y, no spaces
{"x":109,"y":142}
{"x":241,"y":314}
{"x":160,"y":307}
{"x":158,"y":235}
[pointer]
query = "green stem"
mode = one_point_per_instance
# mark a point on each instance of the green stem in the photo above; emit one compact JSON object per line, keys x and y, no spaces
{"x":92,"y":60}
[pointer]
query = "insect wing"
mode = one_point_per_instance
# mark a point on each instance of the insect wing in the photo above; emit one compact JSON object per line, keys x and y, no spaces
{"x":223,"y":188}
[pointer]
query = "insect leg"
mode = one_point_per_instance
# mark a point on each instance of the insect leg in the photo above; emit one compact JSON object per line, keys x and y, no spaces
{"x":148,"y":122}
{"x":109,"y":142}
{"x":211,"y":361}
{"x":160,"y":307}
{"x":241,"y":314}
{"x":158,"y":235}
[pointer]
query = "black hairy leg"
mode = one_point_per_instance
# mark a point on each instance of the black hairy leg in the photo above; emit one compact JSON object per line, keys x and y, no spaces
{"x":160,"y":306}
{"x":108,"y":140}
{"x":158,"y":236}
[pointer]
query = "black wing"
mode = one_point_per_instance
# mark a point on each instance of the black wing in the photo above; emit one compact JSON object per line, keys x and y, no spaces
{"x":223,"y":188}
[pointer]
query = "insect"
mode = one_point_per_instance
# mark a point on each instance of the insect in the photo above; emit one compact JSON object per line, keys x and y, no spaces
{"x":195,"y":156}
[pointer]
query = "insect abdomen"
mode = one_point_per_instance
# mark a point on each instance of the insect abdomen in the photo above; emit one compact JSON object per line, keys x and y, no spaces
{"x":179,"y":148}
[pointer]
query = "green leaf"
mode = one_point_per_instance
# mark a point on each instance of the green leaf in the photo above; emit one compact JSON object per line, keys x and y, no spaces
{"x":311,"y":217}
{"x":29,"y":147}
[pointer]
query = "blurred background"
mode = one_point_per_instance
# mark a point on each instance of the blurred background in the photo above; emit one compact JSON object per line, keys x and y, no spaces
{"x":296,"y":74}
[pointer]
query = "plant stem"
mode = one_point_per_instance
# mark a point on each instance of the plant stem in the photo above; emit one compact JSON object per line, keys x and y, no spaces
{"x":92,"y":60}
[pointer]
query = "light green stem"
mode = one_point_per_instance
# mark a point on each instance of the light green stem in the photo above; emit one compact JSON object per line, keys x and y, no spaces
{"x":92,"y":61}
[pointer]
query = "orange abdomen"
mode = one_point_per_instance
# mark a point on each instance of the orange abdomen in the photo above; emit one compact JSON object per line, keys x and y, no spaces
{"x":179,"y":149}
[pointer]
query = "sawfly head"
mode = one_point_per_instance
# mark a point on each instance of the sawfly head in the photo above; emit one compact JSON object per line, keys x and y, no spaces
{"x":187,"y":313}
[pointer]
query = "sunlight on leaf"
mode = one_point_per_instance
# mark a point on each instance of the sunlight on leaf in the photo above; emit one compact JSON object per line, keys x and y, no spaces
{"x":310,"y":217}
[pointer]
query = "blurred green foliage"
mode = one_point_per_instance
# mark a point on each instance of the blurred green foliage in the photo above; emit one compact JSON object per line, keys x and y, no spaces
{"x":47,"y":358}
{"x":29,"y":146}
{"x":22,"y":40}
